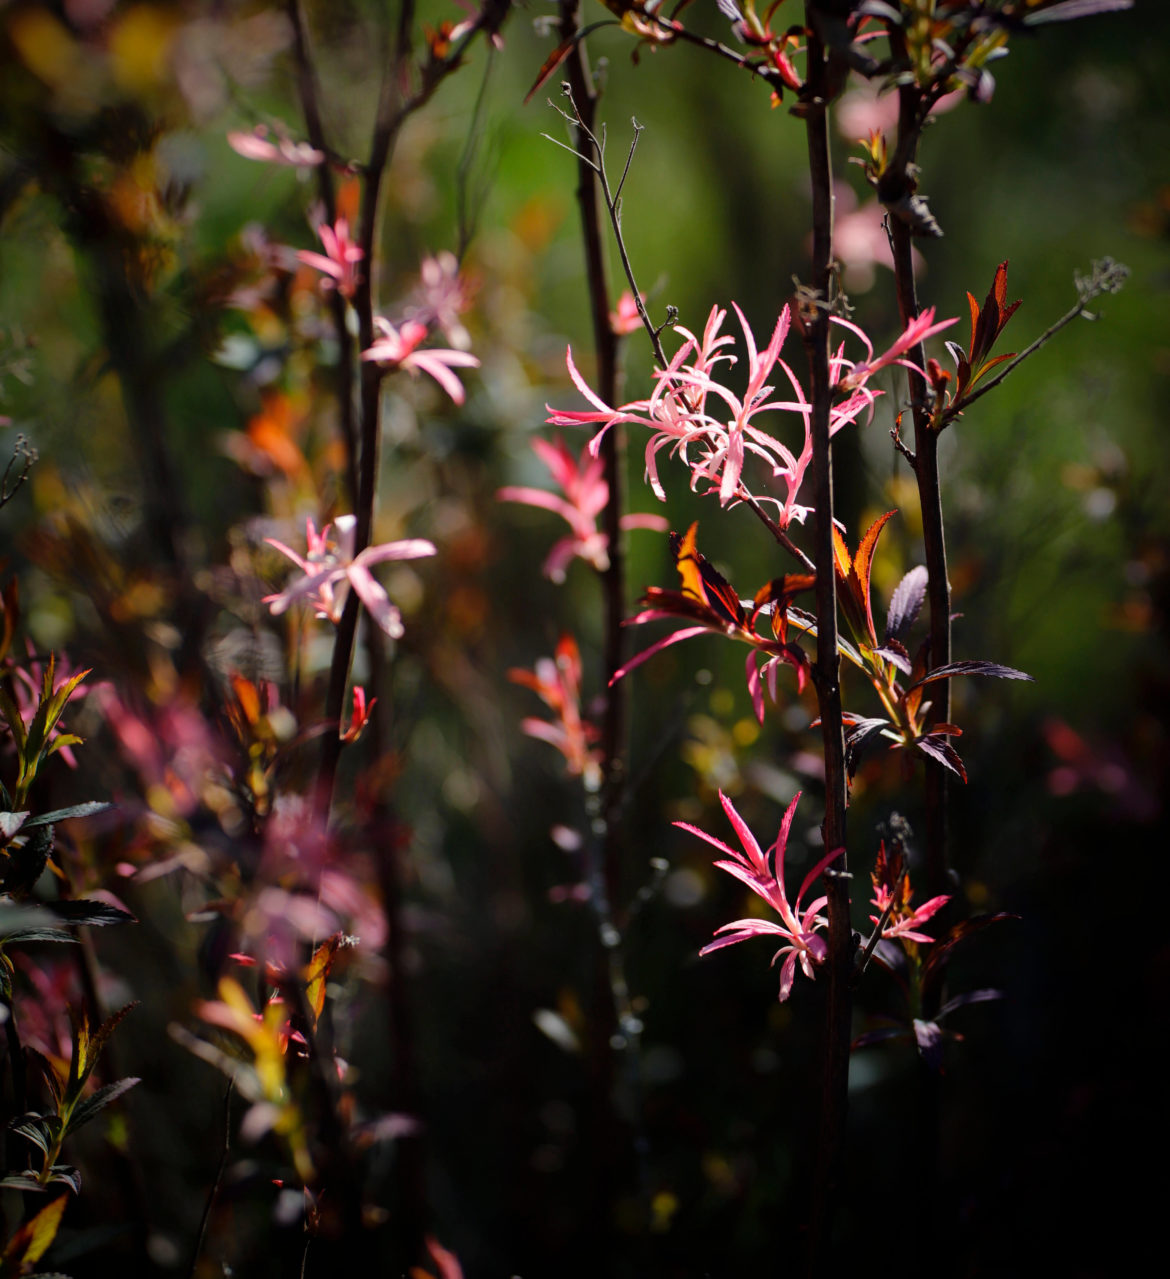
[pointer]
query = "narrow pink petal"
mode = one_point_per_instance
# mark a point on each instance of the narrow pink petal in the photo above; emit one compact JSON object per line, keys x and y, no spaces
{"x":537,"y":497}
{"x":298,"y":560}
{"x":746,"y":838}
{"x":787,"y":976}
{"x":375,"y":599}
{"x":655,"y":523}
{"x":755,"y":691}
{"x":583,"y":386}
{"x":411,"y":548}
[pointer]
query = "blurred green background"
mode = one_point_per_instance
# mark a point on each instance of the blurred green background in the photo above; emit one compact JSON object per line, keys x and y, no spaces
{"x":1059,"y":537}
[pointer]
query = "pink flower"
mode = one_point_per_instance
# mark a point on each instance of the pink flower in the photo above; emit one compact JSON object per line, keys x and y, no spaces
{"x":585,"y":495}
{"x":331,"y":564}
{"x":339,"y":259}
{"x":798,"y":927}
{"x":713,"y":445}
{"x":442,"y":296}
{"x":558,"y":684}
{"x":396,"y":347}
{"x":256,"y":146}
{"x":856,"y":375}
{"x":625,"y":318}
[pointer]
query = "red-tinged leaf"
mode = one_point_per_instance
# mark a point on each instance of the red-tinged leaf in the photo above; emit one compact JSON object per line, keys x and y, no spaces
{"x":974,"y":307}
{"x":863,"y":565}
{"x":688,"y":632}
{"x":560,"y":53}
{"x":939,"y":749}
{"x":30,"y":1243}
{"x":701,"y":581}
{"x":780,"y":592}
{"x":906,"y":603}
{"x":972,"y":668}
{"x":944,"y":948}
{"x":842,"y":560}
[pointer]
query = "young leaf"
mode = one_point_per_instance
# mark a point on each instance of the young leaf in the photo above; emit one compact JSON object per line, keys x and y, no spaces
{"x":939,"y":749}
{"x":85,"y":1110}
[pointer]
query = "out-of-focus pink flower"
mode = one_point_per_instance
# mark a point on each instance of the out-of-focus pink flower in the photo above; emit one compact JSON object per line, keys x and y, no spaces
{"x":340,"y":259}
{"x":864,"y":109}
{"x":256,"y":145}
{"x":397,"y":347}
{"x":558,"y":684}
{"x":798,"y":926}
{"x":626,"y":318}
{"x":443,"y":294}
{"x":585,"y":495}
{"x":27,"y":686}
{"x":331,"y":564}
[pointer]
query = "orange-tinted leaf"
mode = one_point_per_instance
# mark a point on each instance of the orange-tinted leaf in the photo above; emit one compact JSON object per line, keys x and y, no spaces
{"x":703,"y":582}
{"x":863,"y":565}
{"x":974,"y":306}
{"x":30,"y":1243}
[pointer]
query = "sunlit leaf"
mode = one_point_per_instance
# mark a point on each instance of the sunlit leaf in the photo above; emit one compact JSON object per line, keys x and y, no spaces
{"x":32,"y":1240}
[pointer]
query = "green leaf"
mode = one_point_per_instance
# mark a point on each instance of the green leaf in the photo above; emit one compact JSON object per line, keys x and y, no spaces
{"x":11,"y":713}
{"x":86,"y":1109}
{"x":63,"y":814}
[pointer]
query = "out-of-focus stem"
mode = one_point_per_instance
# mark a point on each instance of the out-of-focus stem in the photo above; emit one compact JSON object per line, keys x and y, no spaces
{"x":835,"y":1058}
{"x":307,"y":88}
{"x":610,"y":982}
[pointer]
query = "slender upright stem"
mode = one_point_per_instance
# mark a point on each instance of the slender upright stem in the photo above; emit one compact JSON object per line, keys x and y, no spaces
{"x":835,"y":1061}
{"x":610,"y":982}
{"x":929,"y":497}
